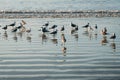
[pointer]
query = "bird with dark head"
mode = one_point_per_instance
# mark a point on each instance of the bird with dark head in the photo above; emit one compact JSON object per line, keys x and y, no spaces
{"x":74,"y":30}
{"x":44,"y":30}
{"x":113,"y":36}
{"x":62,"y":28}
{"x":96,"y":26}
{"x":5,"y":28}
{"x":53,"y":27}
{"x":73,"y":25}
{"x":13,"y":24}
{"x":20,"y":26}
{"x":14,"y":29}
{"x":104,"y":31}
{"x":86,"y":26}
{"x":46,"y":24}
{"x":54,"y":32}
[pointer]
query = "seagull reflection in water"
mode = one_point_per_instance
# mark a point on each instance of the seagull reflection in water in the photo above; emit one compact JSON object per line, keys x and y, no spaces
{"x":63,"y":39}
{"x":85,"y":33}
{"x":5,"y":35}
{"x":55,"y":41}
{"x":15,"y":37}
{"x":88,"y":34}
{"x":44,"y":38}
{"x":29,"y":38}
{"x":104,"y":41}
{"x":20,"y":34}
{"x":64,"y":50}
{"x":76,"y":36}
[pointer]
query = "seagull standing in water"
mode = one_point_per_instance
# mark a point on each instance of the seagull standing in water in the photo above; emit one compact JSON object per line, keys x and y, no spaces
{"x":74,"y":29}
{"x":73,"y":25}
{"x":95,"y":29}
{"x":113,"y":36}
{"x":28,"y":30}
{"x":5,"y":28}
{"x":46,"y":24}
{"x":104,"y":31}
{"x":96,"y":26}
{"x":14,"y":29}
{"x":20,"y":26}
{"x":62,"y":28}
{"x":53,"y":27}
{"x":13,"y":24}
{"x":23,"y":22}
{"x":54,"y":32}
{"x":86,"y":26}
{"x":44,"y":30}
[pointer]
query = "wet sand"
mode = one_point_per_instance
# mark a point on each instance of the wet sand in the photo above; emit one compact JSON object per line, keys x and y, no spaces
{"x":84,"y":56}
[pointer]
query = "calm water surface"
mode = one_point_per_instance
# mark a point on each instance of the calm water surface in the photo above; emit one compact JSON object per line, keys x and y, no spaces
{"x":29,"y":56}
{"x":59,"y":4}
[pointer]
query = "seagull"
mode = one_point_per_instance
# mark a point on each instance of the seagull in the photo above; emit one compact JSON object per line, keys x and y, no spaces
{"x":53,"y":27}
{"x":113,"y":36}
{"x":74,"y":30}
{"x":20,"y":26}
{"x":104,"y":31}
{"x":95,"y":29}
{"x":5,"y":28}
{"x":73,"y":25}
{"x":90,"y":29}
{"x":46,"y":24}
{"x":96,"y":26}
{"x":54,"y":32}
{"x":44,"y":29}
{"x":14,"y":29}
{"x":86,"y":26}
{"x":13,"y":24}
{"x":28,"y":30}
{"x":62,"y":28}
{"x":23,"y":22}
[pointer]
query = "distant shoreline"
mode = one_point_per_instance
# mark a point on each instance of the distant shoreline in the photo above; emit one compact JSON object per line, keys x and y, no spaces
{"x":59,"y":14}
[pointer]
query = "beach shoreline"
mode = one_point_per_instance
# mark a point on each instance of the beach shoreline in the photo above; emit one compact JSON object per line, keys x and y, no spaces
{"x":59,"y":14}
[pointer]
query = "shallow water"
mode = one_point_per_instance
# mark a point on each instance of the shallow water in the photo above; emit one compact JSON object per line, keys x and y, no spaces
{"x":59,"y":4}
{"x":28,"y":56}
